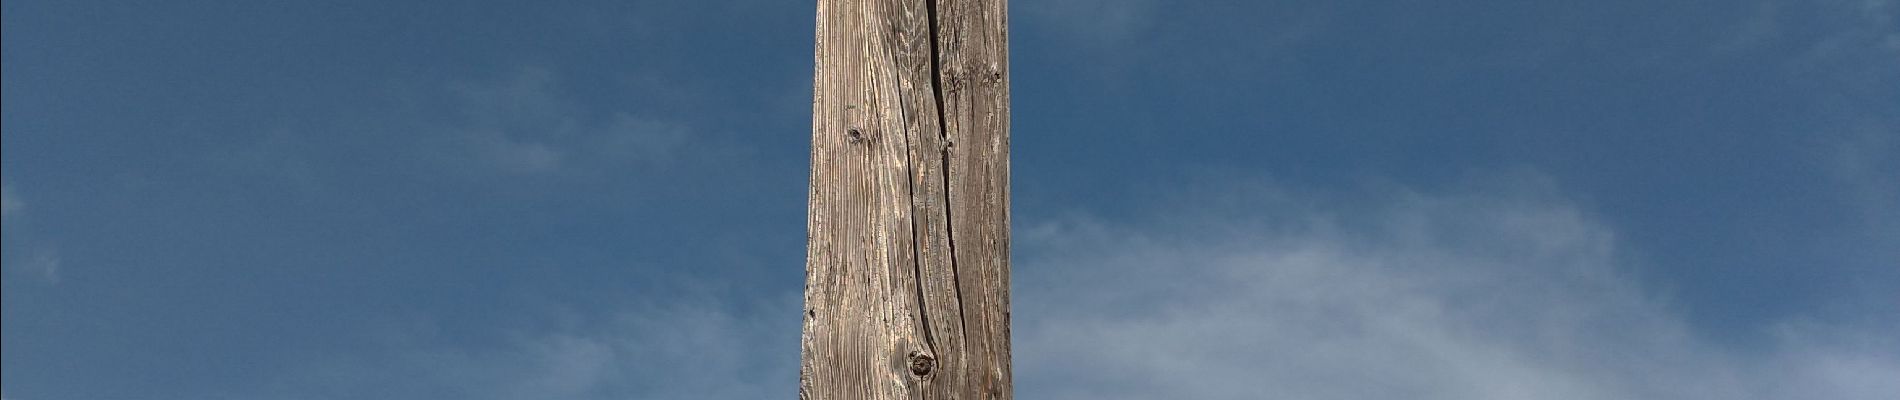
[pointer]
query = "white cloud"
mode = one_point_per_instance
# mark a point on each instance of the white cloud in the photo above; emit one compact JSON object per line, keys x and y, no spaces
{"x":1858,"y":50}
{"x":42,"y":265}
{"x":10,"y":203}
{"x":1093,"y":21}
{"x":1864,"y":153}
{"x":521,"y":156}
{"x":524,"y":125}
{"x":45,"y":265}
{"x":1500,"y":291}
{"x":1836,"y":363}
{"x":1761,"y":26}
{"x":1484,"y":295}
{"x":682,"y":348}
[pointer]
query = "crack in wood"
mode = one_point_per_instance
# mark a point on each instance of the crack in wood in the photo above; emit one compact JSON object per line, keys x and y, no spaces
{"x":916,"y":224}
{"x":943,"y":133}
{"x":873,"y":77}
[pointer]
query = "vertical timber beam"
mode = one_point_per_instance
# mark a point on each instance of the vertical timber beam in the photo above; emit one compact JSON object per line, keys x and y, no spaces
{"x":907,"y":263}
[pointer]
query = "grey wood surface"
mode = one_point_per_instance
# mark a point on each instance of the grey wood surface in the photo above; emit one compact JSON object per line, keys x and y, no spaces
{"x":907,"y":265}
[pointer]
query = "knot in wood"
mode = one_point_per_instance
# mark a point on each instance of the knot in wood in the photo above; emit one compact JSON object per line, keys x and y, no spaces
{"x":921,"y":363}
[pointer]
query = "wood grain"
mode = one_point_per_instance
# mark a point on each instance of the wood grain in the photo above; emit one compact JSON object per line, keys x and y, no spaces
{"x":907,"y":265}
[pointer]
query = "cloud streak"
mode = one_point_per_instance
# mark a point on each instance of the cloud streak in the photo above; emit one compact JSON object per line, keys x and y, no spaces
{"x":1094,"y":22}
{"x":523,"y":125}
{"x":1504,"y":290}
{"x":1483,"y":295}
{"x":10,"y":203}
{"x":43,"y":264}
{"x":696,"y":347}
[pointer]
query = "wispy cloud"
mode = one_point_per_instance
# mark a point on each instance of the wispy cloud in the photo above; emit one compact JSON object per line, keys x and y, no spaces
{"x":1492,"y":294}
{"x":42,"y":263}
{"x":45,"y":266}
{"x":10,"y":203}
{"x":1857,"y":48}
{"x":1865,"y":155}
{"x":676,"y":348}
{"x":1761,"y":26}
{"x":1096,"y":22}
{"x":1502,"y":290}
{"x":524,"y":125}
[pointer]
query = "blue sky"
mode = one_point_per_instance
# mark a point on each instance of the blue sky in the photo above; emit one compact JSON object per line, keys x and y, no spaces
{"x":1233,"y":200}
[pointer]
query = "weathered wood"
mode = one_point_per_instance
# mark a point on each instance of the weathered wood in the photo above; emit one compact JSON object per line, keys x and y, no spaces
{"x":907,"y":265}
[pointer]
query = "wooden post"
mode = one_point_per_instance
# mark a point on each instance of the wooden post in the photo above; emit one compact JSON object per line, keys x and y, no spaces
{"x":907,"y":264}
